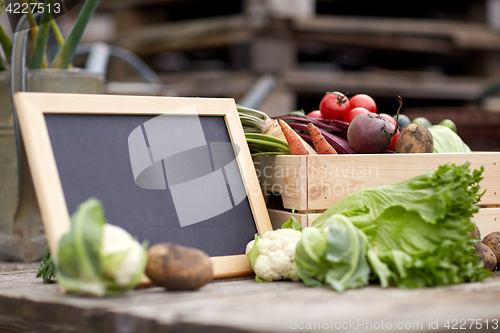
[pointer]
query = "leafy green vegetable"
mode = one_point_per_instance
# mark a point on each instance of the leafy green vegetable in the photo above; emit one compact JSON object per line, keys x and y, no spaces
{"x":47,"y":269}
{"x":96,"y":258}
{"x":292,"y":223}
{"x":419,"y":230}
{"x":333,"y":255}
{"x":447,"y":141}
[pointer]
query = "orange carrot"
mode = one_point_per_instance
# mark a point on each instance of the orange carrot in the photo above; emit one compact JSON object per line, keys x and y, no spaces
{"x":321,"y":145}
{"x":294,"y":141}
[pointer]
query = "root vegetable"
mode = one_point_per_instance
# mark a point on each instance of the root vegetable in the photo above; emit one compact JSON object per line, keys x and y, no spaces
{"x":476,"y":232}
{"x":415,"y":138}
{"x":177,"y":267}
{"x":486,"y":255}
{"x":321,"y":145}
{"x":370,"y":133}
{"x":295,"y":142}
{"x":492,"y":240}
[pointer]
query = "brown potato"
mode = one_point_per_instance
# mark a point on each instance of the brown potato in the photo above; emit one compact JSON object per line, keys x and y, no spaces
{"x":415,"y":138}
{"x":476,"y":232}
{"x":492,"y":240}
{"x":177,"y":267}
{"x":486,"y":255}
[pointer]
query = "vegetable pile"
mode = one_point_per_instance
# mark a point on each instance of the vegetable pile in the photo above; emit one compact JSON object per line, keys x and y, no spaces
{"x":410,"y":234}
{"x":345,"y":125}
{"x":99,"y":259}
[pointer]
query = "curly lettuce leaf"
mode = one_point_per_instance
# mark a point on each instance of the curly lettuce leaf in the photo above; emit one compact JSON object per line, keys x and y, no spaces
{"x":334,"y":255}
{"x":418,"y":230}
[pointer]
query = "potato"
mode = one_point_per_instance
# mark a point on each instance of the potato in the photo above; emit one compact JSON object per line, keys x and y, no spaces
{"x":415,"y":138}
{"x":476,"y":232}
{"x":492,"y":240}
{"x":486,"y":255}
{"x":177,"y":267}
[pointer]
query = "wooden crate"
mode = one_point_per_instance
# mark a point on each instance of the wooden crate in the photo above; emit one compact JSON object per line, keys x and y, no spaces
{"x":312,"y":184}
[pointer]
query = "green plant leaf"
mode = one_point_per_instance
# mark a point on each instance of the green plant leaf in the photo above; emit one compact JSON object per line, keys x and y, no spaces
{"x":66,"y":53}
{"x":78,"y":259}
{"x":254,"y":252}
{"x":38,"y":54}
{"x":47,"y":269}
{"x":292,"y":223}
{"x":6,"y":44}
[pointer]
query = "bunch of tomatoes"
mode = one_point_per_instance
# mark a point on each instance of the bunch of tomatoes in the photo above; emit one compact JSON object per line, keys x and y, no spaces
{"x":336,"y":105}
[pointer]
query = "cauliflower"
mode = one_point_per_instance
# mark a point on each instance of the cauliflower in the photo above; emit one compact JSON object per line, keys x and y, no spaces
{"x":96,"y":258}
{"x":272,"y":255}
{"x":116,"y":240}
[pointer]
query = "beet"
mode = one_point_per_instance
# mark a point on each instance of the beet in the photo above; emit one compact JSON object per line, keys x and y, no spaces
{"x":369,"y":133}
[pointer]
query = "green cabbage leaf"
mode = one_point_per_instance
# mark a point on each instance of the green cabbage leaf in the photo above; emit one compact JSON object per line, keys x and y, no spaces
{"x":418,"y":231}
{"x":96,"y":258}
{"x":333,"y":255}
{"x":447,"y":141}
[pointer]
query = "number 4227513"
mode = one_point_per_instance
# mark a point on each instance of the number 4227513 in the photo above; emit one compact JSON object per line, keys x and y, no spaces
{"x":25,"y":8}
{"x":463,"y":324}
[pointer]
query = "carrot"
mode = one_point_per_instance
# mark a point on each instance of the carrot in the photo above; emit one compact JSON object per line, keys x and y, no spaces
{"x":321,"y":145}
{"x":294,"y":141}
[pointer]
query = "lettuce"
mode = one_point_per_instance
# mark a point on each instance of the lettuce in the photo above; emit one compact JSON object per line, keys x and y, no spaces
{"x":333,"y":255}
{"x":447,"y":141}
{"x":418,"y":230}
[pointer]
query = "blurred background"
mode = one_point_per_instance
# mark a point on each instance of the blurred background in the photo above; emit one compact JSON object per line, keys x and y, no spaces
{"x":441,"y":57}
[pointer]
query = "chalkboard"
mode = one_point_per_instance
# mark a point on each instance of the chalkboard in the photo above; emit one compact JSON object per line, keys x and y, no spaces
{"x":166,"y":169}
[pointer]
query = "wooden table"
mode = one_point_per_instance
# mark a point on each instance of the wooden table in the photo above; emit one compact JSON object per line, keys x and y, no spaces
{"x":243,"y":305}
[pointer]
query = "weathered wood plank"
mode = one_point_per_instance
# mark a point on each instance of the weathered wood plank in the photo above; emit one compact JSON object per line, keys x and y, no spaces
{"x":387,"y":83}
{"x":465,"y":35}
{"x":188,"y":34}
{"x":241,"y":305}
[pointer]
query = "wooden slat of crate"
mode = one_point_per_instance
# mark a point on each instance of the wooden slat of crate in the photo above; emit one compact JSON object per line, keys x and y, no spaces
{"x":287,"y":175}
{"x":331,"y":178}
{"x":487,"y":219}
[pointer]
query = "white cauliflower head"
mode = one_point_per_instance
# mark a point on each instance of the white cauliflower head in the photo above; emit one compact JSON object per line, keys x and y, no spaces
{"x":272,"y":255}
{"x":116,"y":241}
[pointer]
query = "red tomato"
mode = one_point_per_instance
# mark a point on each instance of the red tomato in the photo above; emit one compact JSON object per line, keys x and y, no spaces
{"x":353,"y":113}
{"x":334,"y":106}
{"x":364,"y":101}
{"x":389,"y":118}
{"x":392,"y":146}
{"x":314,"y":114}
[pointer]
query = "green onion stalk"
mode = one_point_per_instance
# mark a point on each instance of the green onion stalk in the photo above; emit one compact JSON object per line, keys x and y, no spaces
{"x":39,"y":34}
{"x":5,"y":42}
{"x":263,"y":134}
{"x":67,"y":51}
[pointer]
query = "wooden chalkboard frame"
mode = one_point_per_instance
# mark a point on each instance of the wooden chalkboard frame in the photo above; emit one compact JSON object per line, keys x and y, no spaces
{"x":31,"y":108}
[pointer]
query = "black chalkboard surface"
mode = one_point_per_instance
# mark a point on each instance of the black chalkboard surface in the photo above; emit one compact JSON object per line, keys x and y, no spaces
{"x":92,"y":157}
{"x":167,"y":169}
